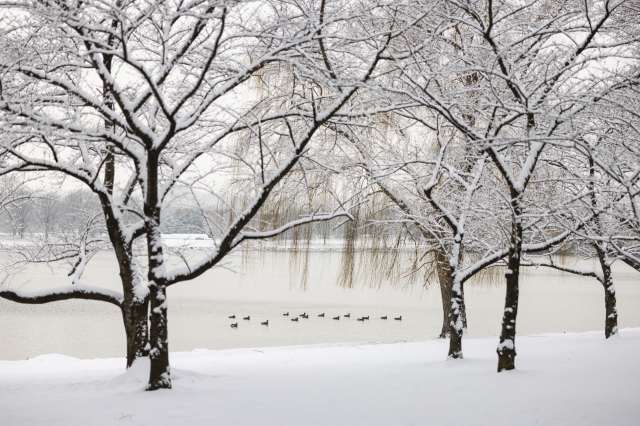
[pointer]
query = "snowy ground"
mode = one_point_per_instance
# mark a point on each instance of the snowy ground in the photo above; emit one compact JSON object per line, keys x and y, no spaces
{"x":562,"y":379}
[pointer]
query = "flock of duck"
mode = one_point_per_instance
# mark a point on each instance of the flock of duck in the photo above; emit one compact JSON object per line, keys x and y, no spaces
{"x":305,"y":315}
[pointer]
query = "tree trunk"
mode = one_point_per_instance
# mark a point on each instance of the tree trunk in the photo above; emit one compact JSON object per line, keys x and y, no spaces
{"x":159,"y":376}
{"x":507,"y":347}
{"x":456,"y":322}
{"x":446,"y":283}
{"x":135,"y":317}
{"x":444,"y":278}
{"x":611,"y":321}
{"x":457,"y":315}
{"x":463,"y":309}
{"x":134,"y":306}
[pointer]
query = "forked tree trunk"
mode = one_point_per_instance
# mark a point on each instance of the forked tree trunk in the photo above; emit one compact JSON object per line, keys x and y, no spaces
{"x":611,"y":311}
{"x":134,"y":306}
{"x":507,"y":347}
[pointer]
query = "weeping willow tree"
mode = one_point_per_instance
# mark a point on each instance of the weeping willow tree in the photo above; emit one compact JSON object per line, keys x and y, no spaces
{"x":378,"y":248}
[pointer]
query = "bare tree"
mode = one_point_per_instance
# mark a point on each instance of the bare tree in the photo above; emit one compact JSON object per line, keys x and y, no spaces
{"x":16,"y":199}
{"x":49,"y":211}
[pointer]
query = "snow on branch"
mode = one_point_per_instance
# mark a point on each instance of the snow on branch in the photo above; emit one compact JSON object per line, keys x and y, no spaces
{"x":274,"y":232}
{"x":75,"y":291}
{"x":553,"y":265}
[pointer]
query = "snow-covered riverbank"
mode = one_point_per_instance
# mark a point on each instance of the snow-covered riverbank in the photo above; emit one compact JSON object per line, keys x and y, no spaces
{"x":562,"y":379}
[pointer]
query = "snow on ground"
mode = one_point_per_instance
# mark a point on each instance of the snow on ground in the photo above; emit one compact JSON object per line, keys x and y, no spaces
{"x":562,"y":379}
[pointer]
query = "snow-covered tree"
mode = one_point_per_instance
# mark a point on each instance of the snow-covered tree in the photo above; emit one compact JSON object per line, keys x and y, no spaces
{"x":611,"y":144}
{"x":135,"y":99}
{"x":510,"y":77}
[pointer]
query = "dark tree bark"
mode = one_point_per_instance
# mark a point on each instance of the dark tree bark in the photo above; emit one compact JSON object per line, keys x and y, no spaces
{"x":631,"y":263}
{"x":135,"y":317}
{"x":444,"y":278}
{"x":159,"y":377}
{"x":611,"y":311}
{"x":463,"y":308}
{"x":507,"y":347}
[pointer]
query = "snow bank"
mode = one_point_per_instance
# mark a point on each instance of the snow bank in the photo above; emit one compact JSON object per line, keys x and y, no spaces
{"x":192,"y":241}
{"x":562,"y":379}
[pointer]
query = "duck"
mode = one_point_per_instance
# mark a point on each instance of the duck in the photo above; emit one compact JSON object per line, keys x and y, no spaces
{"x":247,"y":318}
{"x":302,"y":315}
{"x":348,"y":315}
{"x":232,"y":316}
{"x":285,"y":315}
{"x":338,"y":317}
{"x":361,"y":319}
{"x":399,"y":318}
{"x":234,"y":325}
{"x":305,"y":316}
{"x":321,"y":315}
{"x":384,"y":317}
{"x":365,"y":318}
{"x":294,"y":319}
{"x":265,"y":323}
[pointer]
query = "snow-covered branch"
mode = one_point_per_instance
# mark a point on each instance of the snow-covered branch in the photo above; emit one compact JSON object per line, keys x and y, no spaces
{"x":75,"y":291}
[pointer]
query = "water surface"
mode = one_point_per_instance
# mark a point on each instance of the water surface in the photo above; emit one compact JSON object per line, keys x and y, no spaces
{"x":265,"y":288}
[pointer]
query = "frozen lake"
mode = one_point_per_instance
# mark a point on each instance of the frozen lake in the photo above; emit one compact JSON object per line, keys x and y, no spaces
{"x":264,"y":287}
